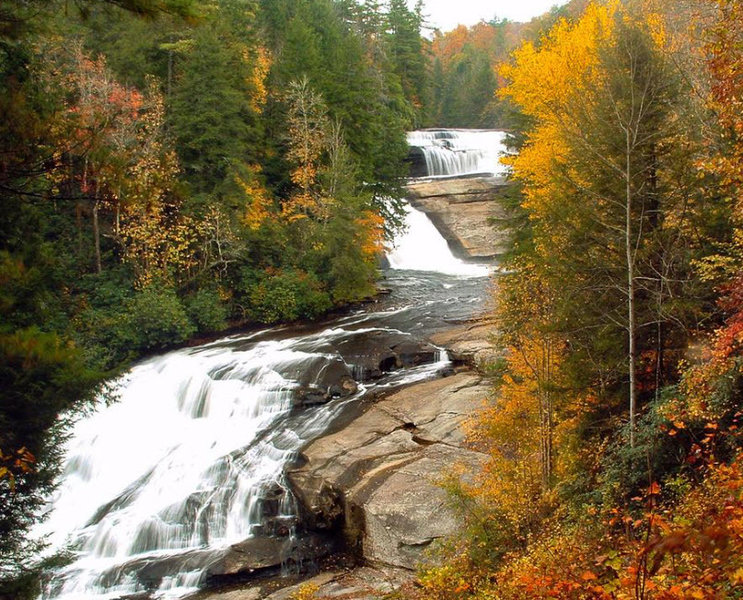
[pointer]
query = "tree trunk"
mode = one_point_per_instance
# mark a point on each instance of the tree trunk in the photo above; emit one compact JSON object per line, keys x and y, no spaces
{"x":97,"y":232}
{"x":631,"y":318}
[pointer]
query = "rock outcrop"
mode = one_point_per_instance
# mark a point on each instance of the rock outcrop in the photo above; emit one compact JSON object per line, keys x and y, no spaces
{"x":468,"y":213}
{"x":376,"y":479}
{"x":470,"y":344}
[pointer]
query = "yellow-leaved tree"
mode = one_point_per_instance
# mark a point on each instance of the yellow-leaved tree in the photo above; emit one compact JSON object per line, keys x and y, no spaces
{"x":608,"y":178}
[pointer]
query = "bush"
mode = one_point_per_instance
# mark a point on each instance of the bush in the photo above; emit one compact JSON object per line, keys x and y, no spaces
{"x":287,"y":296}
{"x":154,"y":318}
{"x":207,"y":311}
{"x":150,"y":319}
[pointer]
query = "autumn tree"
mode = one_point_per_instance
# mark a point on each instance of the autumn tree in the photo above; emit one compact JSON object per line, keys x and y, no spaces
{"x":601,"y":185}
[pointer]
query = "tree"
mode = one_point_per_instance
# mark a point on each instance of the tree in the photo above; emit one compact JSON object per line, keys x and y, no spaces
{"x":602,"y":187}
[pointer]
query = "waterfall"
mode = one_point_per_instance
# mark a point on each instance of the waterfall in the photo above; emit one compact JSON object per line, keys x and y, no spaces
{"x":191,"y":459}
{"x":451,"y":152}
{"x":422,"y":248}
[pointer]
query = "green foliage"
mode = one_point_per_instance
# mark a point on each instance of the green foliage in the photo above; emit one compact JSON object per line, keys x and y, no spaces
{"x":287,"y":296}
{"x":153,"y":318}
{"x":206,"y":309}
{"x":43,"y":379}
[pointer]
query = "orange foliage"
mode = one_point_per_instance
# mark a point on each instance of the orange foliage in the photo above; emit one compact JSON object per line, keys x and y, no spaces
{"x":14,"y":464}
{"x":259,"y":201}
{"x":370,"y":234}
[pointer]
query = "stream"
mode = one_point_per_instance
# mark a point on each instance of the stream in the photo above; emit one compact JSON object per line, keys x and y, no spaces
{"x":192,"y":456}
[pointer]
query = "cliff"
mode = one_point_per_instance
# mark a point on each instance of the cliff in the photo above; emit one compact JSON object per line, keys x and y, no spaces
{"x":468,"y":213}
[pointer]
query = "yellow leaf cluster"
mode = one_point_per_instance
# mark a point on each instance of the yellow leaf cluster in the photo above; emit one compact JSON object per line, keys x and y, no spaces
{"x":259,"y":202}
{"x":552,"y":84}
{"x":370,"y":234}
{"x":261,"y":65}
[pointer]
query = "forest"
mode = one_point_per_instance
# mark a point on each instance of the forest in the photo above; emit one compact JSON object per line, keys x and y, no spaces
{"x":613,"y":435}
{"x":173,"y":169}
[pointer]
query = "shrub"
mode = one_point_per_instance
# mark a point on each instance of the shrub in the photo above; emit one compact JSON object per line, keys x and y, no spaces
{"x":154,"y":318}
{"x":207,"y":311}
{"x":287,"y":296}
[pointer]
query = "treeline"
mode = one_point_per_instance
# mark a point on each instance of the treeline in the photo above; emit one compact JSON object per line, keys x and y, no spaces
{"x":464,"y":66}
{"x":613,"y":441}
{"x":172,"y":168}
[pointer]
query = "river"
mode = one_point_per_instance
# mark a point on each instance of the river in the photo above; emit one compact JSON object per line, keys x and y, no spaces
{"x":191,"y":458}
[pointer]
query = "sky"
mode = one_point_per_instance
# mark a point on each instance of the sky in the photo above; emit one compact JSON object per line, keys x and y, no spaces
{"x":447,"y":14}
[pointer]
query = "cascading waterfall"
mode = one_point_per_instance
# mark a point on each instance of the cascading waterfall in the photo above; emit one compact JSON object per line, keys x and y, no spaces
{"x":452,"y":152}
{"x":423,"y":248}
{"x":182,"y":465}
{"x":191,"y":457}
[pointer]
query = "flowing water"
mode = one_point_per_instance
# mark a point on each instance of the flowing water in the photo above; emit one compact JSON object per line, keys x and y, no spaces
{"x":191,"y":458}
{"x":456,"y":152}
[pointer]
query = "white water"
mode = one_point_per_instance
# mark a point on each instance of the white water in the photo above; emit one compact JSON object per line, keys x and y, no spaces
{"x":423,"y":248}
{"x":451,"y":152}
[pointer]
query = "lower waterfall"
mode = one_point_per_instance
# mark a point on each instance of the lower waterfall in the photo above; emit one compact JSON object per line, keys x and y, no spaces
{"x":190,"y":459}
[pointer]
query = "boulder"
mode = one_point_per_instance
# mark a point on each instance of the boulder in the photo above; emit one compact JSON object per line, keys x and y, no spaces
{"x":374,"y":353}
{"x":263,"y":552}
{"x":409,"y":512}
{"x":470,"y":343}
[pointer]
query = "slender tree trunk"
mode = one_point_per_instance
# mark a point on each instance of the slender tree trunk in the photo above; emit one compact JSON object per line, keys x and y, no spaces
{"x":170,"y":72}
{"x":79,"y":210}
{"x":97,"y":232}
{"x":550,"y":419}
{"x":117,"y":220}
{"x":631,"y":317}
{"x":545,"y":415}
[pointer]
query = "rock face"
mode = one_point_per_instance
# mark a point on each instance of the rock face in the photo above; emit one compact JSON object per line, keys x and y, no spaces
{"x":467,"y":212}
{"x":470,"y":344}
{"x":377,"y":477}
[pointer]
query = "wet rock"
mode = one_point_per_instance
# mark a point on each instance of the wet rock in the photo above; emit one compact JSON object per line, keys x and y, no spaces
{"x":260,"y":553}
{"x":322,"y":380}
{"x":417,"y":163}
{"x":375,"y":353}
{"x":470,"y":344}
{"x":151,"y":573}
{"x":251,"y":555}
{"x":411,"y":354}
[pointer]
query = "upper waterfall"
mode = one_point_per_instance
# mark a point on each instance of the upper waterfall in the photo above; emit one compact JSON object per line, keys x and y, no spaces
{"x":452,"y":152}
